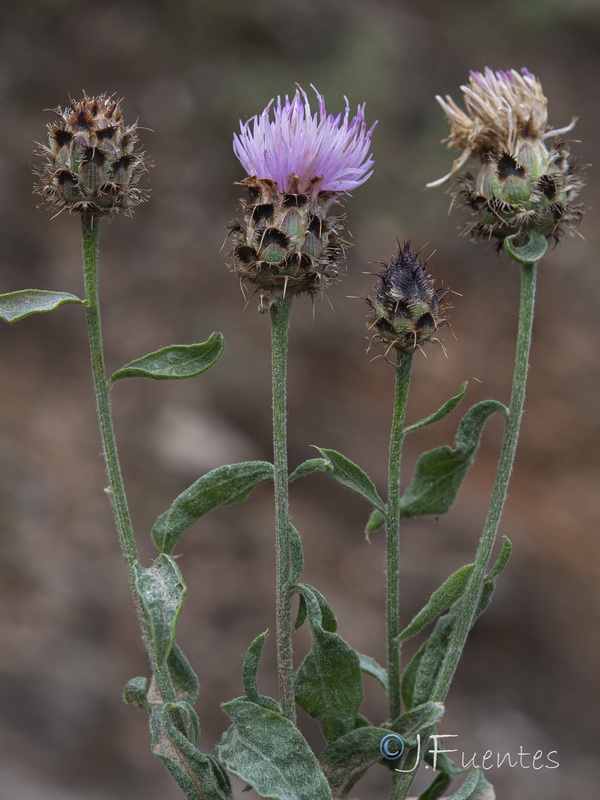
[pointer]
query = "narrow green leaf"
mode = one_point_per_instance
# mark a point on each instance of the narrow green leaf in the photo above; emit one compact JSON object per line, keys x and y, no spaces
{"x":328,"y":683}
{"x":162,"y":591}
{"x":440,"y":472}
{"x":17,"y":305}
{"x":310,"y":466}
{"x":416,"y":720}
{"x":437,"y":788}
{"x":466,"y":790}
{"x":409,"y":677}
{"x":502,"y":559}
{"x":297,"y":556}
{"x":432,"y":657}
{"x":440,"y":600}
{"x":353,"y":477}
{"x":250,"y":669}
{"x":220,"y":487}
{"x":174,"y":362}
{"x":442,"y":412}
{"x":199,"y":776}
{"x":372,"y":668}
{"x":184,"y":678}
{"x":269,"y":753}
{"x":375,"y":522}
{"x":431,"y":654}
{"x":526,"y":249}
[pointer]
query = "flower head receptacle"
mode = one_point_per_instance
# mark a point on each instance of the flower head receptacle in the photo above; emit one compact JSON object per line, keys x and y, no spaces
{"x":299,"y":163}
{"x":405,"y":309}
{"x":522,"y":185}
{"x":91,"y":162}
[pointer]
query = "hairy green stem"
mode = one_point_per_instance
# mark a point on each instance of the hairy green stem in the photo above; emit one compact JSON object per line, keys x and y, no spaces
{"x":472,"y":594}
{"x":470,"y":599}
{"x":90,"y":227}
{"x":280,"y":323}
{"x":392,"y":589}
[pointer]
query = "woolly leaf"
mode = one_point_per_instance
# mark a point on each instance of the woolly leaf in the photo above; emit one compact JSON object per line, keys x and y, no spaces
{"x":297,"y":556}
{"x":184,"y":678}
{"x":18,"y":305}
{"x":199,"y":776}
{"x":353,"y":477}
{"x":269,"y":753}
{"x":375,"y":522}
{"x":162,"y":591}
{"x":442,"y":412}
{"x":526,"y":249}
{"x":310,"y":466}
{"x":328,"y":683}
{"x":177,"y":361}
{"x":371,"y":667}
{"x":437,"y":788}
{"x":502,"y":559}
{"x":220,"y":487}
{"x":440,"y":600}
{"x":476,"y":787}
{"x":440,"y":472}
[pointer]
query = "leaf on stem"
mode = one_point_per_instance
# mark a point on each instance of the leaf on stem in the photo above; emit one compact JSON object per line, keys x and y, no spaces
{"x":375,"y":522}
{"x":183,"y":676}
{"x":348,"y":758}
{"x":220,"y":487}
{"x":371,"y":667}
{"x":177,"y":361}
{"x":135,"y":691}
{"x":162,"y":591}
{"x":502,"y":559}
{"x":353,"y":477}
{"x":442,"y":412}
{"x":309,"y":466}
{"x":437,"y":788}
{"x":526,"y":250}
{"x":296,"y":555}
{"x":17,"y":305}
{"x":199,"y":776}
{"x":250,"y":671}
{"x":440,"y":472}
{"x":476,"y":787}
{"x":440,"y":600}
{"x":268,"y":752}
{"x":328,"y":683}
{"x":416,"y":720}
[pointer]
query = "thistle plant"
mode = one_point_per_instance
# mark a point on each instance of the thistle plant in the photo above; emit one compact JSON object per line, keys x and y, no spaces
{"x":299,"y":164}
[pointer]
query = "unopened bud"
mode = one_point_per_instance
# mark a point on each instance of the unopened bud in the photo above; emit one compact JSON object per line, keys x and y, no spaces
{"x":91,"y":164}
{"x":405,"y":309}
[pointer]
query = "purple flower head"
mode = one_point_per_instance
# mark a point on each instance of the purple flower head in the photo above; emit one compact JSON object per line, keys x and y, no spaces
{"x":306,"y":152}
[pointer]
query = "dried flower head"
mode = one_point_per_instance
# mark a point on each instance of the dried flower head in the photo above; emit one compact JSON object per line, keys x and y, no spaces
{"x":522,"y":186}
{"x":91,"y":164}
{"x":405,"y":309}
{"x":298,"y":163}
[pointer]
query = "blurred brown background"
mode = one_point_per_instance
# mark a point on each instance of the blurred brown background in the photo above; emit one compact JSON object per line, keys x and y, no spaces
{"x":189,"y":71}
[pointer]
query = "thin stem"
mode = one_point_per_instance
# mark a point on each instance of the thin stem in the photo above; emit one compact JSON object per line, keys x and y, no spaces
{"x":392,"y":590}
{"x":471,"y":597}
{"x":280,"y":323}
{"x":116,"y":489}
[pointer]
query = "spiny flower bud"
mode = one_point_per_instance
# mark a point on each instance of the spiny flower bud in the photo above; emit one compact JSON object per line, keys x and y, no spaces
{"x":299,"y":164}
{"x":405,"y":310}
{"x":522,"y":187}
{"x":91,"y":164}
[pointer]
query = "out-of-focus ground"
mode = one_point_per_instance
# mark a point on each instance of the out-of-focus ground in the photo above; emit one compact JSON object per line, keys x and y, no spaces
{"x":189,"y":71}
